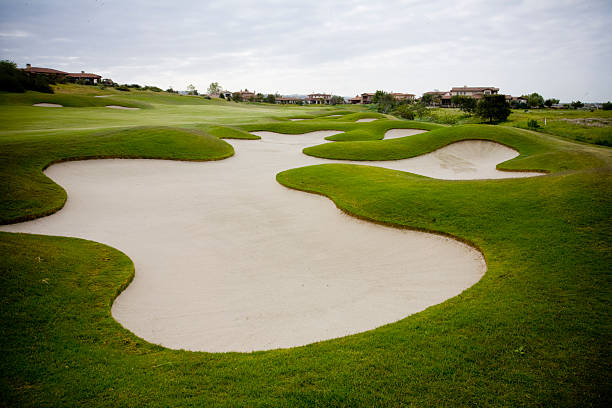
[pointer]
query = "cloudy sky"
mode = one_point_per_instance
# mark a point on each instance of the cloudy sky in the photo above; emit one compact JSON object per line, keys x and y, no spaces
{"x":558,"y":48}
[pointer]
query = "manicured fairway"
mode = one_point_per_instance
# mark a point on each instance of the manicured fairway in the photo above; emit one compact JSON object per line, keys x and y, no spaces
{"x":534,"y":331}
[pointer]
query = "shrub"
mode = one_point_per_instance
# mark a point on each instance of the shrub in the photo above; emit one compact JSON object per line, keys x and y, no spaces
{"x":404,"y":111}
{"x":123,"y":88}
{"x":532,"y":124}
{"x":15,"y":80}
{"x":607,"y":106}
{"x":493,"y":107}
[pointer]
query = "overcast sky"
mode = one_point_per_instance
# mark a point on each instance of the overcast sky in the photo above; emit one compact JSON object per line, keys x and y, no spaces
{"x":558,"y":48}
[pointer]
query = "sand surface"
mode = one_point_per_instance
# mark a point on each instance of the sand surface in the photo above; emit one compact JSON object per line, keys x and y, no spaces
{"x":49,"y":105}
{"x":397,"y":133}
{"x":103,"y":96}
{"x":121,"y":107}
{"x":296,"y":119}
{"x":227,"y":259}
{"x":366,"y":120}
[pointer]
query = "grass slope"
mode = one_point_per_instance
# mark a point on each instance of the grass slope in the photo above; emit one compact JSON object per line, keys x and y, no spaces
{"x":353,"y":131}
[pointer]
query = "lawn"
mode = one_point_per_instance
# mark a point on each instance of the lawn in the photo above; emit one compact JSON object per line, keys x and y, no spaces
{"x":535,"y":331}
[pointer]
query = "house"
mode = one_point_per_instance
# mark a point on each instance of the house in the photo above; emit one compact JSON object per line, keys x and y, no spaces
{"x":61,"y":75}
{"x":288,"y":101}
{"x":318,"y":99}
{"x":247,"y":95}
{"x":403,"y":97}
{"x":89,"y":79}
{"x":436,"y":97}
{"x":367,"y":97}
{"x":356,"y":100}
{"x":475,"y":92}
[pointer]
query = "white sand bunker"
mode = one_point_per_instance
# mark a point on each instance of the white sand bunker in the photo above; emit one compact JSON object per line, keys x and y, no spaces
{"x":465,"y":160}
{"x":227,"y":259}
{"x":121,"y":107}
{"x":49,"y":105}
{"x":296,"y":119}
{"x":366,"y":120}
{"x":103,"y":96}
{"x":397,"y":133}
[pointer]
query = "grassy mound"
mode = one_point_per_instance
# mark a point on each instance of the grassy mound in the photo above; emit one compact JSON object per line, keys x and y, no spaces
{"x":227,"y":132}
{"x":27,"y":193}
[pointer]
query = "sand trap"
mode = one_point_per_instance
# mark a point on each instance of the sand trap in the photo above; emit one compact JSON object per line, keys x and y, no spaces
{"x":121,"y":107}
{"x":227,"y":259}
{"x":49,"y":105}
{"x":397,"y":133}
{"x":465,"y":160}
{"x":103,"y":96}
{"x":332,"y":116}
{"x":366,"y":120}
{"x":297,"y":119}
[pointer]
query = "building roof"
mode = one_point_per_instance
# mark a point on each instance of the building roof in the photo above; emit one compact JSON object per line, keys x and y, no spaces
{"x":474,"y":88}
{"x":314,"y":95}
{"x":40,"y":70}
{"x":83,"y":75}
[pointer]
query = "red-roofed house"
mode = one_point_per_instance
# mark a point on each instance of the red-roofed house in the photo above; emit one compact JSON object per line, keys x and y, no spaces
{"x":59,"y":75}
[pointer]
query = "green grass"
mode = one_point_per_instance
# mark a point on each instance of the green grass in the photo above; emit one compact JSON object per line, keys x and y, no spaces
{"x":568,"y":123}
{"x":535,"y":331}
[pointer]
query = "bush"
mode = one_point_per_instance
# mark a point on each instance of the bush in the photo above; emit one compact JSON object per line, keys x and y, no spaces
{"x":123,"y":88}
{"x":607,"y":106}
{"x":532,"y":124}
{"x":15,"y":80}
{"x":404,"y":111}
{"x":493,"y":107}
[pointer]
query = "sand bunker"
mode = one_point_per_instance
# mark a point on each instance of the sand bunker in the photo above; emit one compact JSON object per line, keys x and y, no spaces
{"x":465,"y":160}
{"x":296,"y":119}
{"x":227,"y":259}
{"x":397,"y":133}
{"x":103,"y":96}
{"x":121,"y":107}
{"x":49,"y":105}
{"x":366,"y":120}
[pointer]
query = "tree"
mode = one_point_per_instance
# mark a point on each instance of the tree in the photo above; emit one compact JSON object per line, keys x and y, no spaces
{"x":607,"y":105}
{"x":259,"y":97}
{"x":214,"y":89}
{"x":427,"y":99}
{"x":191,"y":90}
{"x":465,"y":103}
{"x":550,"y":102}
{"x":13,"y":79}
{"x":493,"y":107}
{"x":237,"y":97}
{"x":270,"y":98}
{"x":384,"y":100}
{"x":535,"y":100}
{"x":577,"y":104}
{"x":404,"y":111}
{"x":336,"y":100}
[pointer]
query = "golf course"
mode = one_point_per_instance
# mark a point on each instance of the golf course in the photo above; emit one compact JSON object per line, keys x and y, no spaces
{"x":157,"y":247}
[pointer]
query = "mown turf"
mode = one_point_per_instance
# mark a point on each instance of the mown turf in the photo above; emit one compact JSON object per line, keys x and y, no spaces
{"x":353,"y":131}
{"x":535,"y":331}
